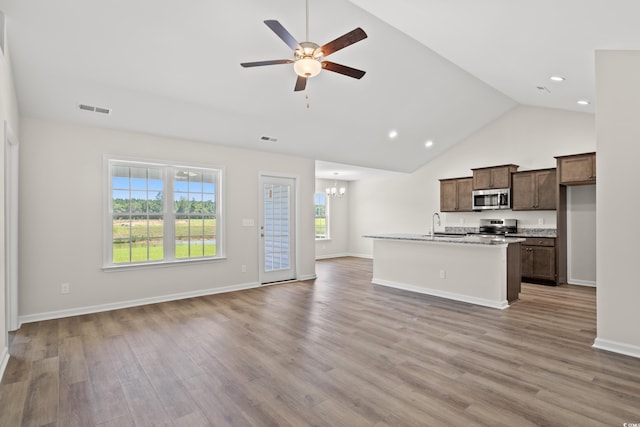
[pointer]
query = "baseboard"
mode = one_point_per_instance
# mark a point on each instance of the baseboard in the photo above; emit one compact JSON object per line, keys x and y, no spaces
{"x":437,"y":293}
{"x":4,"y":360}
{"x":304,"y":277}
{"x":328,"y":256}
{"x":617,"y":347}
{"x":357,"y":255}
{"x":579,"y":282}
{"x":132,"y":303}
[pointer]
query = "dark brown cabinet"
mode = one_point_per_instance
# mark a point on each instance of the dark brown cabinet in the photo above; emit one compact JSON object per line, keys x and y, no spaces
{"x":455,"y":194}
{"x":534,"y":190}
{"x":577,"y":169}
{"x":539,"y":260}
{"x":493,"y":177}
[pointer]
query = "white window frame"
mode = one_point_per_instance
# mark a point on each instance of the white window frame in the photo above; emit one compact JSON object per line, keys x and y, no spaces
{"x":168,"y":213}
{"x":326,"y":216}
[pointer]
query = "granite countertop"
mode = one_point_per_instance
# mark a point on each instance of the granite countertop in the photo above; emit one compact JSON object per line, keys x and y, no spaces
{"x":450,"y":238}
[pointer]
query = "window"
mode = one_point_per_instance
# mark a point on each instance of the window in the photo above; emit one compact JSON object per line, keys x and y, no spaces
{"x":321,"y":220}
{"x":159,"y":213}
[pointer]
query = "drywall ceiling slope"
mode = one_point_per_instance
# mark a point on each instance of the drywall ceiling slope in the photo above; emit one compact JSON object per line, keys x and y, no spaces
{"x":516,"y":46}
{"x":172,"y":69}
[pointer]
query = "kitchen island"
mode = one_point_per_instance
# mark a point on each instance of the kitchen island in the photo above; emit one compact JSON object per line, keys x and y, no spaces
{"x":474,"y":269}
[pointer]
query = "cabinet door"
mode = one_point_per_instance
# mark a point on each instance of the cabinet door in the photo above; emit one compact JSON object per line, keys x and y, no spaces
{"x":546,"y":190}
{"x":465,"y":202}
{"x":576,"y":169}
{"x":448,"y":195}
{"x":543,"y":262}
{"x":524,"y":191}
{"x":482,"y":179}
{"x":501,"y":177}
{"x":526,"y":261}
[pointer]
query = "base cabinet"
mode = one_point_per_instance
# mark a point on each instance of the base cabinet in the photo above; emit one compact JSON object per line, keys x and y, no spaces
{"x":539,"y":260}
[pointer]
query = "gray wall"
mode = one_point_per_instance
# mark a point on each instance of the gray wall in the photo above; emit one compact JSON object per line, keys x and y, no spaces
{"x":61,"y":230}
{"x":618,"y":133}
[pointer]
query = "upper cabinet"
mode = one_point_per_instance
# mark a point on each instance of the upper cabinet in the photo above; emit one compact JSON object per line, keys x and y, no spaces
{"x":577,"y":169}
{"x":493,"y":177}
{"x":455,"y":194}
{"x":534,"y":190}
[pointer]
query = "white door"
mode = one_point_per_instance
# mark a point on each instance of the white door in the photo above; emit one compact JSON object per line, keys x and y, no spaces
{"x":277,"y":229}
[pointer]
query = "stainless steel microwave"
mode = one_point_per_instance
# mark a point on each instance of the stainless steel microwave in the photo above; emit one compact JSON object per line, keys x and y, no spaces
{"x":499,"y":198}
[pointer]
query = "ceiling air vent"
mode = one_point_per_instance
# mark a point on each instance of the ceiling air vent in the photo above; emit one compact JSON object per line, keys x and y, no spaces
{"x":268,"y":139}
{"x":102,"y":110}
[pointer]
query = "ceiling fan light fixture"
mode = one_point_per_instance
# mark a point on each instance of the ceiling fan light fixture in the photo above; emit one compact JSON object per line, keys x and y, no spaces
{"x":307,"y":67}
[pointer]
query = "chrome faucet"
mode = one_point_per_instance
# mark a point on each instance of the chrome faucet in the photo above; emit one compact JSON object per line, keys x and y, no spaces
{"x":433,"y":223}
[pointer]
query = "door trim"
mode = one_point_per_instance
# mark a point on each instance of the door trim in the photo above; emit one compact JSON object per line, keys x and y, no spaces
{"x":296,"y":222}
{"x":11,"y":175}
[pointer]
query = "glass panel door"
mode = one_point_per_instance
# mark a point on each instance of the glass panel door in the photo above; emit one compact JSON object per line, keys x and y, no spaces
{"x":277,"y":231}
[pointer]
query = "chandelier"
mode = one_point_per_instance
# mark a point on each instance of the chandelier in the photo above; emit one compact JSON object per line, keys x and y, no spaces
{"x":335,"y":191}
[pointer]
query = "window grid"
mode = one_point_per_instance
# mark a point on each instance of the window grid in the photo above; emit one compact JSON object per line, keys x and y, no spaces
{"x":321,"y":216}
{"x":144,"y":197}
{"x":194,"y":206}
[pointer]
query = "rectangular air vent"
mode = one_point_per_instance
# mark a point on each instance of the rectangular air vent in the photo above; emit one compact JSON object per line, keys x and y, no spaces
{"x":101,"y":110}
{"x":268,"y":139}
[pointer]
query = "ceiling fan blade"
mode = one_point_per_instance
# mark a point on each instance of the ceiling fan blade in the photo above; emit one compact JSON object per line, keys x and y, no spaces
{"x":343,"y":41}
{"x":261,"y":63}
{"x":301,"y":84}
{"x":343,"y":69}
{"x":281,"y":32}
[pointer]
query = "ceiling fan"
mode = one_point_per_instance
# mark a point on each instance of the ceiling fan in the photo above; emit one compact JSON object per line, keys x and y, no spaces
{"x":309,"y":57}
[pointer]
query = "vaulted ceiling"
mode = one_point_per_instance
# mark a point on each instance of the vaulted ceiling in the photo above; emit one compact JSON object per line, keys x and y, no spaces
{"x":436,"y":70}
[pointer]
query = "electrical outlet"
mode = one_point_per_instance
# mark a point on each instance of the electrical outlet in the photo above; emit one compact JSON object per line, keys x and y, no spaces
{"x":243,"y":268}
{"x":65,"y":288}
{"x":540,"y":221}
{"x":443,"y":274}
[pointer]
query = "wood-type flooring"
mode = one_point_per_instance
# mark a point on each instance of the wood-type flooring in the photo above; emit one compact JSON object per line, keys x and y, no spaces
{"x":336,"y":351}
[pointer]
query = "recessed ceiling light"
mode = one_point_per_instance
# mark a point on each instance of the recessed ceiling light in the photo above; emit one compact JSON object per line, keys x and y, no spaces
{"x":557,"y":78}
{"x":428,"y":144}
{"x":393,"y":134}
{"x":584,"y":102}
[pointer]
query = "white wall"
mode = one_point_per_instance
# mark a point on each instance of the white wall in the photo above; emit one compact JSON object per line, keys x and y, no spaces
{"x":618,"y":133}
{"x":338,"y":207}
{"x":61,"y":204}
{"x":8,"y":114}
{"x":527,"y":136}
{"x":581,"y":235}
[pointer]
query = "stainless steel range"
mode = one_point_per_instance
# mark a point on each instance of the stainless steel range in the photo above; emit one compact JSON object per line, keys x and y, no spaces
{"x":500,"y":227}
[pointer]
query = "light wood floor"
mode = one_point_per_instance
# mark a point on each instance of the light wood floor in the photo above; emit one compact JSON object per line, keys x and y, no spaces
{"x":337,"y":351}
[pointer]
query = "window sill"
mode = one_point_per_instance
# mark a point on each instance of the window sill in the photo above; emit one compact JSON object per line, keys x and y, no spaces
{"x":324,"y":239}
{"x":160,"y":264}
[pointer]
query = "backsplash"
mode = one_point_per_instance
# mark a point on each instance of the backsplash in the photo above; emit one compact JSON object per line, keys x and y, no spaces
{"x":537,"y":232}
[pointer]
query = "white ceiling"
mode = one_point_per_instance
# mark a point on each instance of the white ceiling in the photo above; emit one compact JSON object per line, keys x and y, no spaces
{"x":436,"y":70}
